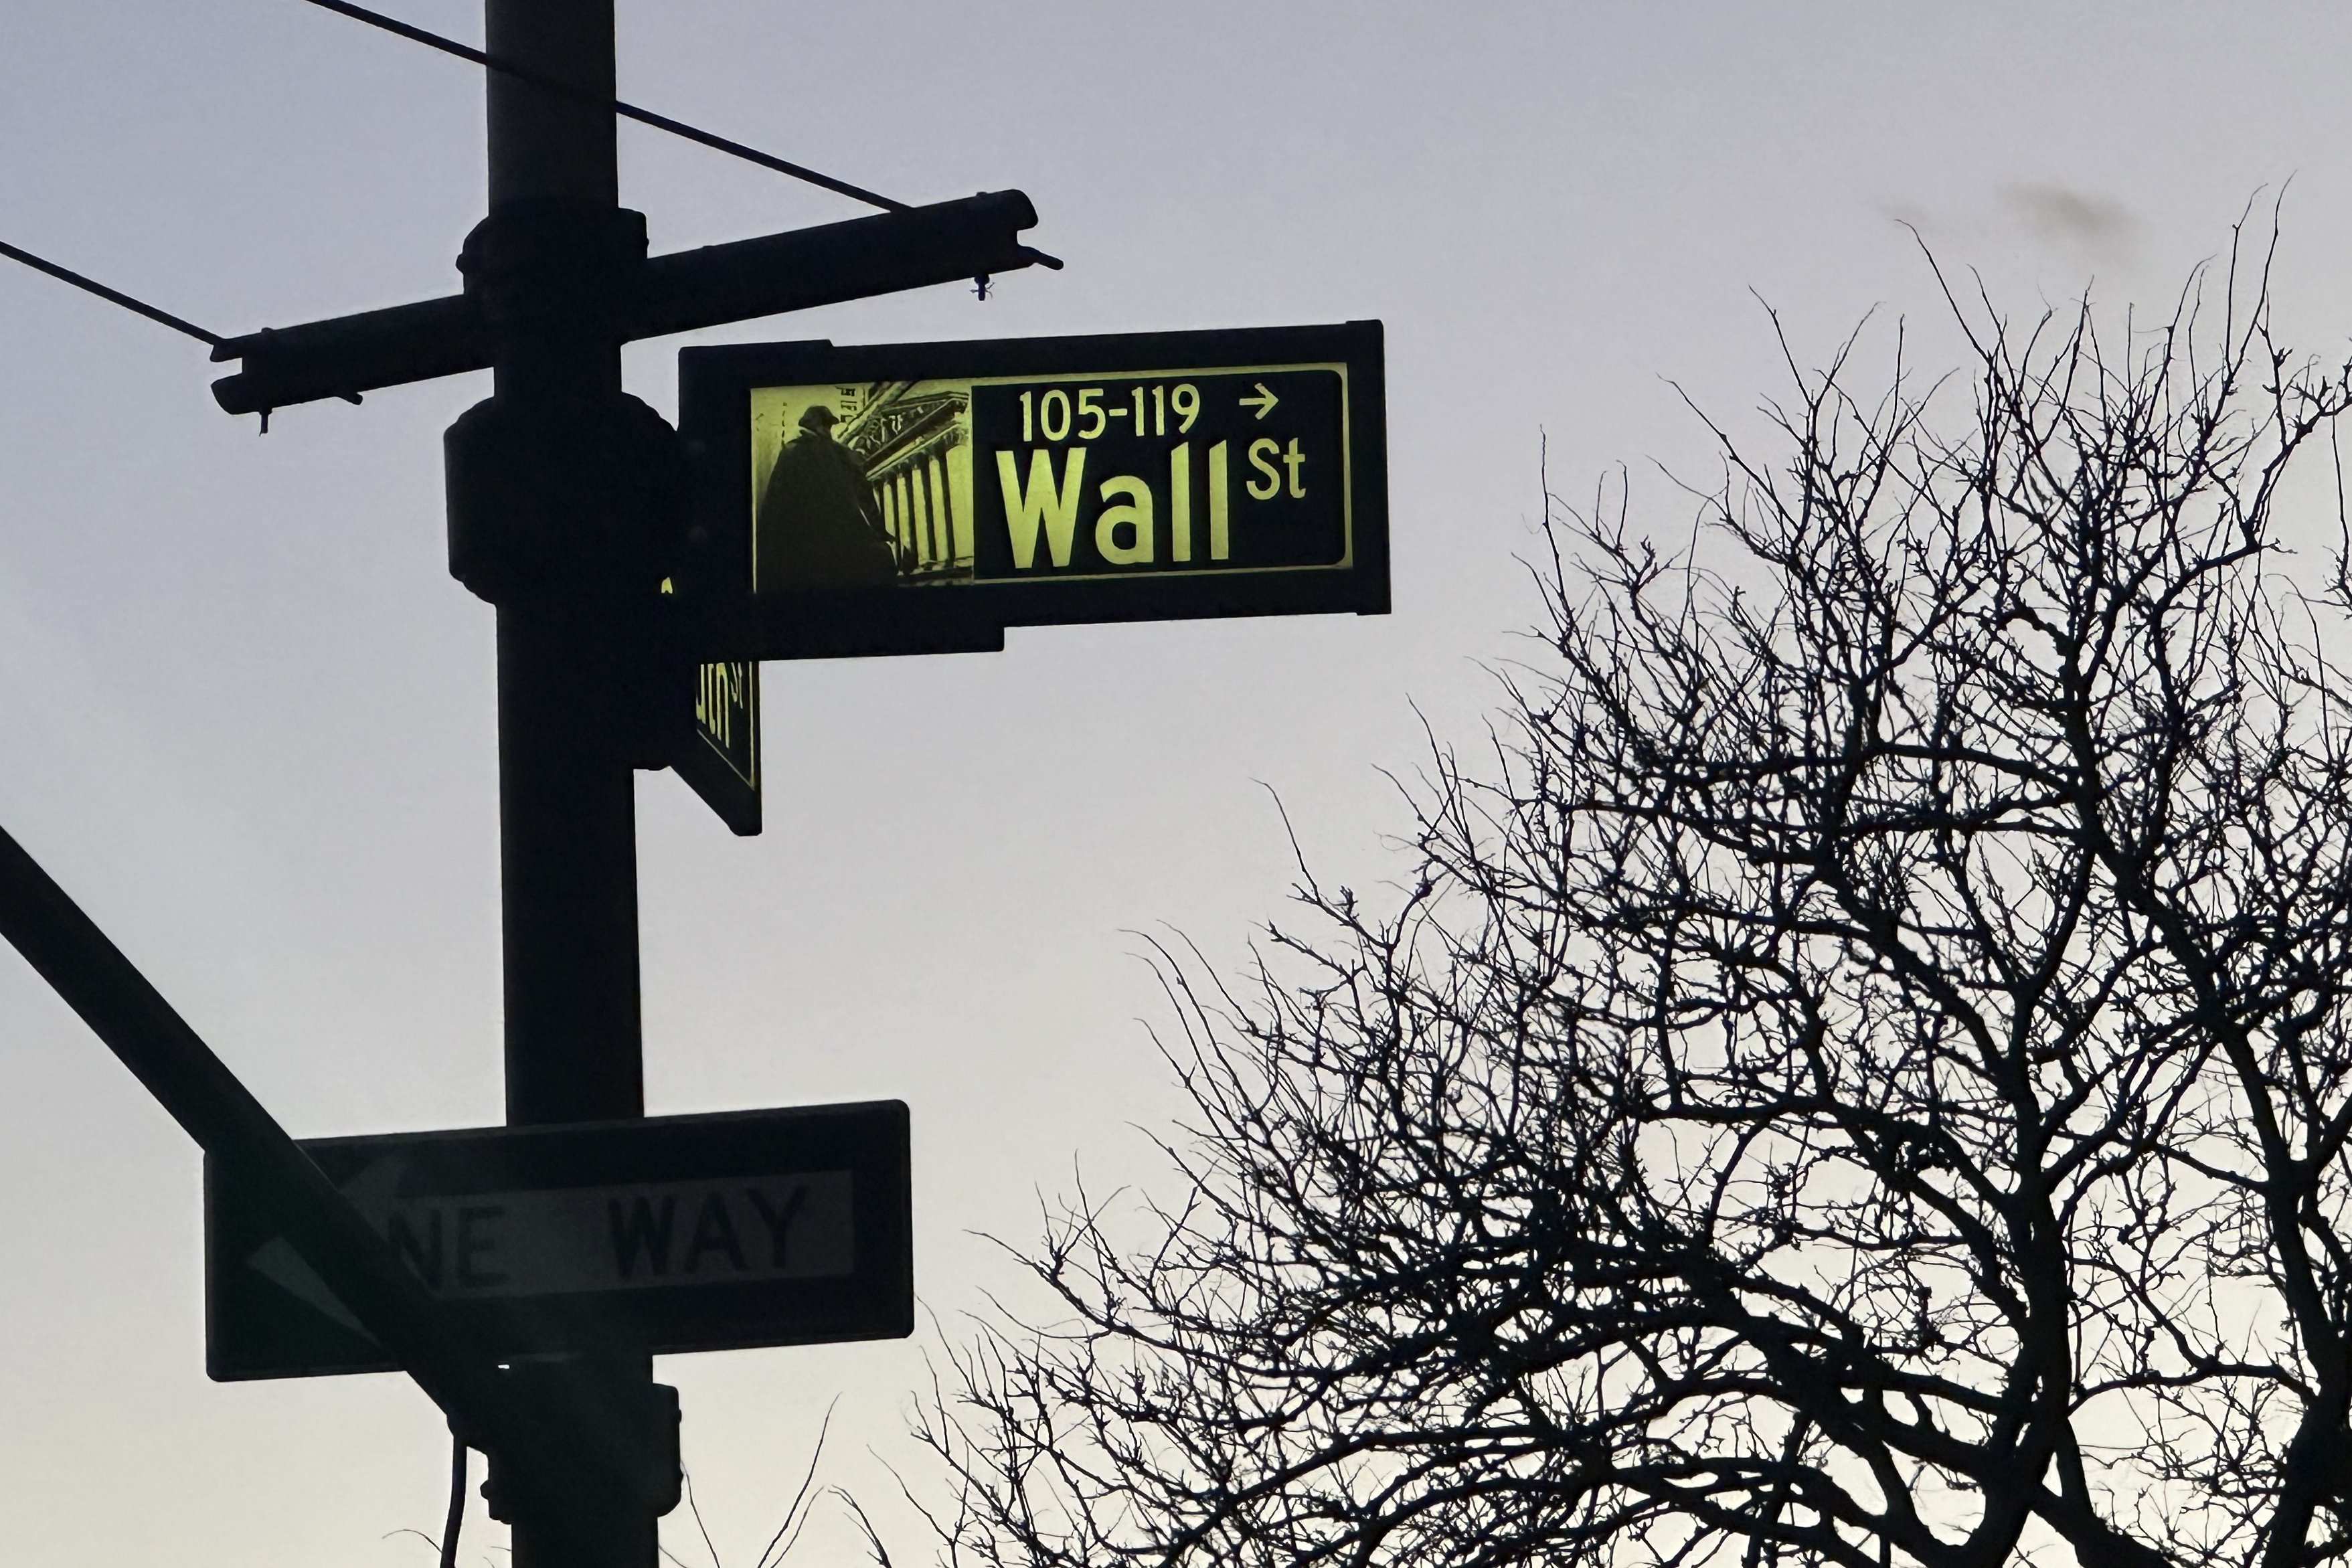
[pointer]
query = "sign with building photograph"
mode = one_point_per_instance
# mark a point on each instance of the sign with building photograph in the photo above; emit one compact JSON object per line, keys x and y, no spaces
{"x":923,"y":497}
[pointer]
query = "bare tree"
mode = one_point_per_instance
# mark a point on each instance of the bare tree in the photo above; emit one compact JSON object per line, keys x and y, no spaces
{"x":1859,"y":1071}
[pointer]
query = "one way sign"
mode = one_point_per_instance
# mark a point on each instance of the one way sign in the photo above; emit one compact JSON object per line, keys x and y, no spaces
{"x":669,"y":1234}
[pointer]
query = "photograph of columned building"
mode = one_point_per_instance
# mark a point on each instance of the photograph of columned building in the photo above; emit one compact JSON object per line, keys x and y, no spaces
{"x":913,"y":441}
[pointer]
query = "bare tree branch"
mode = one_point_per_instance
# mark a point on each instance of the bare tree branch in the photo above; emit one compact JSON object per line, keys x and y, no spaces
{"x":1859,"y":1070}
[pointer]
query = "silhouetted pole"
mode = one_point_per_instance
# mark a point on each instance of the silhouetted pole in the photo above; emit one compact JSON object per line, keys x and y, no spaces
{"x":567,"y":814}
{"x":556,"y":518}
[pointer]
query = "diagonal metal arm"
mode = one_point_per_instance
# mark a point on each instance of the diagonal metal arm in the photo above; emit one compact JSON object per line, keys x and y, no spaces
{"x":221,"y":1115}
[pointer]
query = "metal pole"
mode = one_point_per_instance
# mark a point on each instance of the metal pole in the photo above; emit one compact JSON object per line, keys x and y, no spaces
{"x":566,"y":809}
{"x":567,"y":812}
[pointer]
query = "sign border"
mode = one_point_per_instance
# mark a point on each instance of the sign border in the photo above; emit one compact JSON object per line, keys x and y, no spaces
{"x":714,"y":388}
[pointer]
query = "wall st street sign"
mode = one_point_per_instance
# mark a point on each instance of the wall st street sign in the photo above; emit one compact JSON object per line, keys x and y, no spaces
{"x":669,"y":1234}
{"x":921,"y":497}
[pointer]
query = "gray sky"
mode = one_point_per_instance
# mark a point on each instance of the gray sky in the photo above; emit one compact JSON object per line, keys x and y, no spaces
{"x":248,"y":713}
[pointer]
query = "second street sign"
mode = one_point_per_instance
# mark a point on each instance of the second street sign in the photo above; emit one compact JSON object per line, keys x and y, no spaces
{"x":921,"y":497}
{"x":717,"y":753}
{"x":672,"y":1233}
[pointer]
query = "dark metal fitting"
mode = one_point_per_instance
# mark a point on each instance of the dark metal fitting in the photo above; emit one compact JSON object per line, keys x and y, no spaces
{"x":658,"y":682}
{"x":542,"y":495}
{"x":552,"y":260}
{"x":624,"y":1441}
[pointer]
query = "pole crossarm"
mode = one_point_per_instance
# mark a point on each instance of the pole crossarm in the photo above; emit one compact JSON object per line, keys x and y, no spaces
{"x":251,"y":1150}
{"x":797,"y":271}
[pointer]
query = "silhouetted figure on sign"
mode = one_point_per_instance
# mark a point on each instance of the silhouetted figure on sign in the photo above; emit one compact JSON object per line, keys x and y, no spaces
{"x":818,"y":523}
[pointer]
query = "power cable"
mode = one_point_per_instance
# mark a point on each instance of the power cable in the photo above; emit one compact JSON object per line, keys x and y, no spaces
{"x":598,"y":100}
{"x":113,"y":296}
{"x":116,"y":297}
{"x":536,"y":79}
{"x":456,"y":1501}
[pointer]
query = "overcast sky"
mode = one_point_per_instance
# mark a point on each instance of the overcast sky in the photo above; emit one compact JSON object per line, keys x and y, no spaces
{"x":248,"y":714}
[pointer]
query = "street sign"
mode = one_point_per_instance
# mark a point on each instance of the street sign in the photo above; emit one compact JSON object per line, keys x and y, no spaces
{"x":675,"y":1233}
{"x":720,"y":756}
{"x":920,"y":497}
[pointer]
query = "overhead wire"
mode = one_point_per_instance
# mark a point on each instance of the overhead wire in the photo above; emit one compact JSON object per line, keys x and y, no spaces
{"x":113,"y":296}
{"x":520,"y":73}
{"x":457,"y":1518}
{"x":561,"y":88}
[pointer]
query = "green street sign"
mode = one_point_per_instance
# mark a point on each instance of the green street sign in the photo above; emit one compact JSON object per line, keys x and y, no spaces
{"x":921,"y":497}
